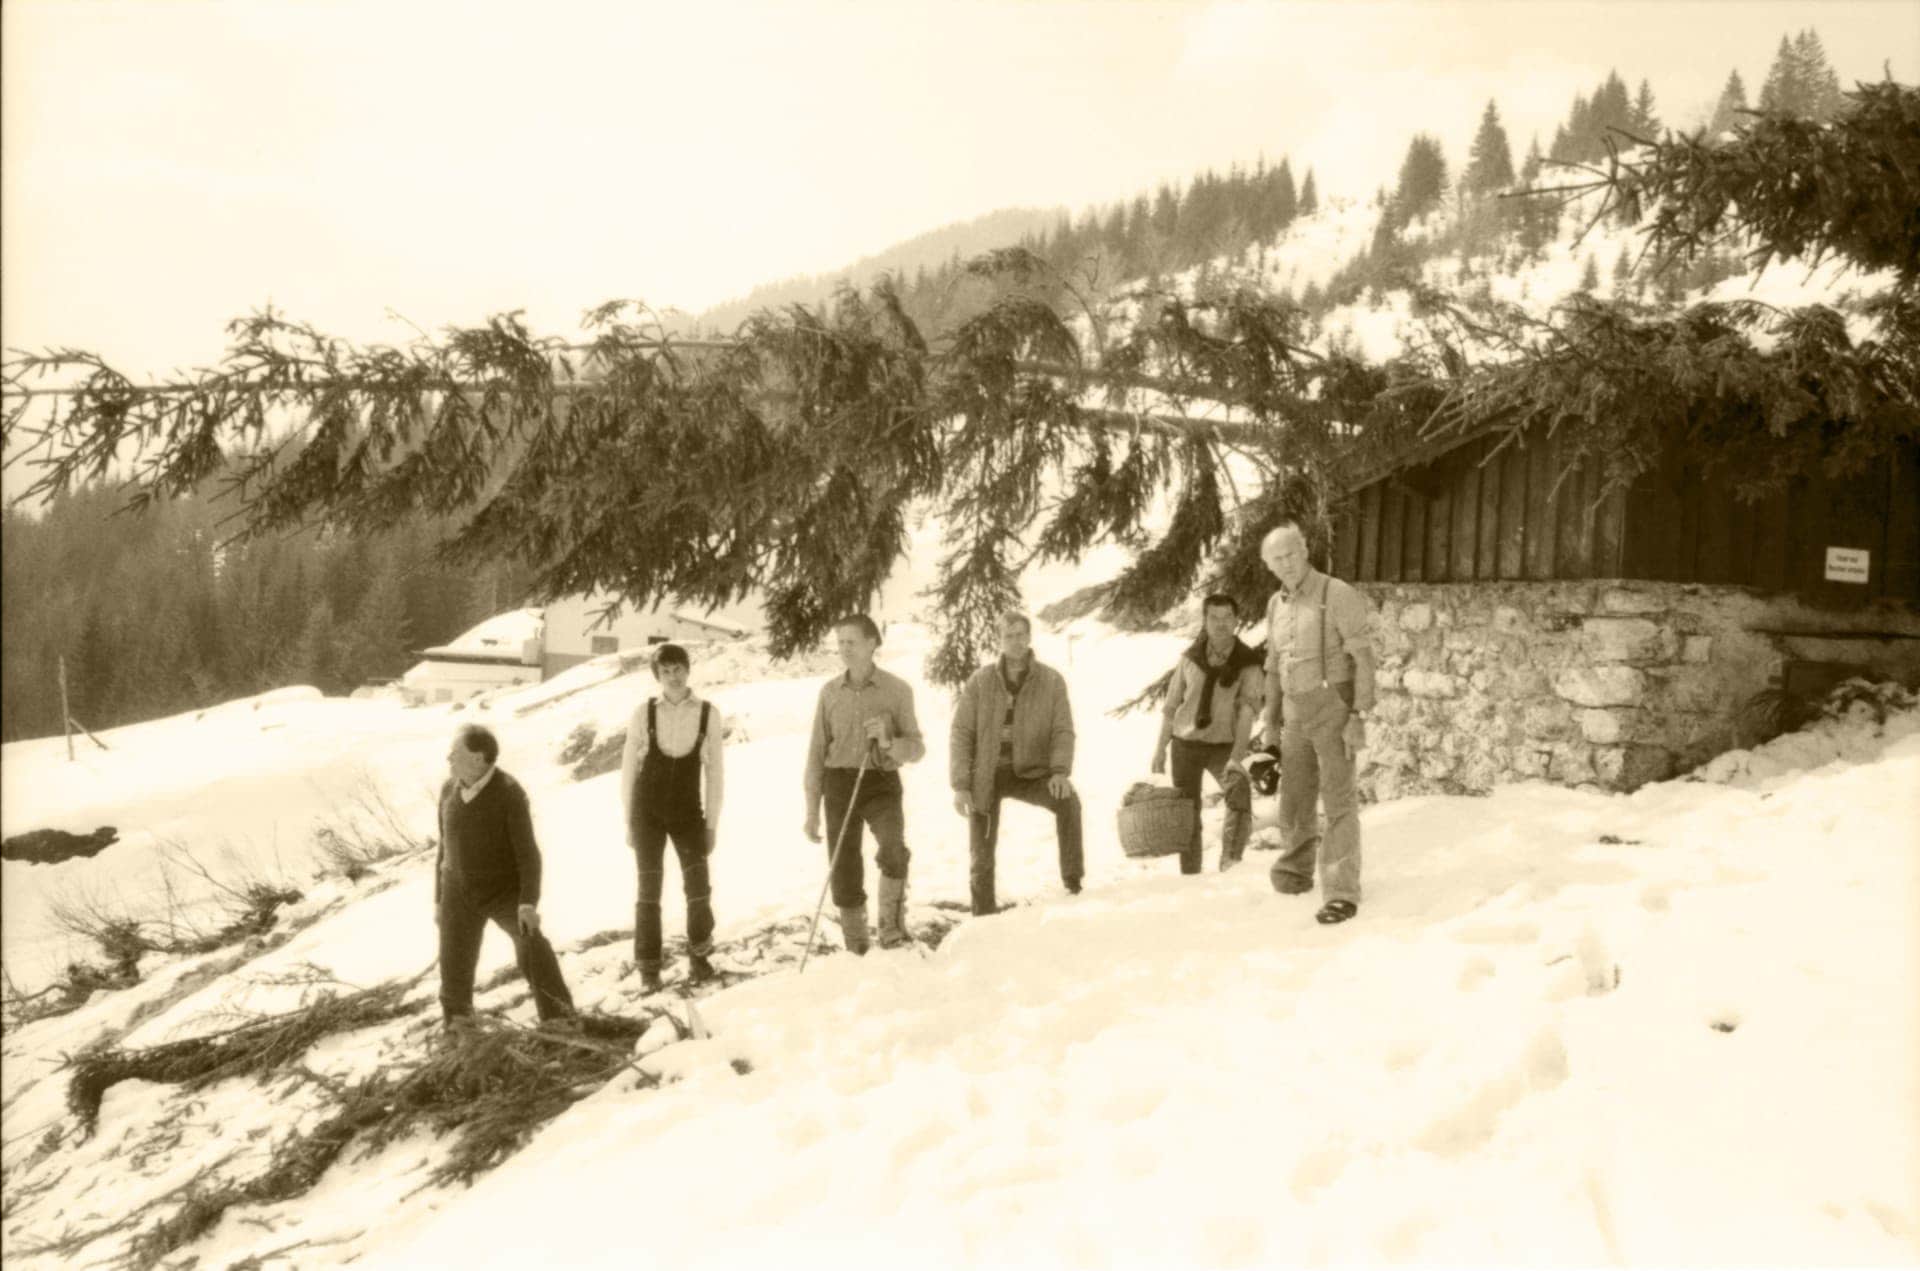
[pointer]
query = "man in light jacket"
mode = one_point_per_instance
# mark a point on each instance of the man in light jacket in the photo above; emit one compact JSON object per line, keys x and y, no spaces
{"x":1212,"y":701}
{"x":1013,"y":739}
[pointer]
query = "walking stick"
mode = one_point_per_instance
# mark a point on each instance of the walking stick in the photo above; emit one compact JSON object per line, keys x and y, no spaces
{"x":833,"y":858}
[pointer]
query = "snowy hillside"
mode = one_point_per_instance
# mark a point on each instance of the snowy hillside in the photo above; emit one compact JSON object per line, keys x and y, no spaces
{"x":1312,"y":250}
{"x":1677,"y":1026}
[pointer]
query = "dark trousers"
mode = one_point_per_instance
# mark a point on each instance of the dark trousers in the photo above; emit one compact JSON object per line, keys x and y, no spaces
{"x":1190,"y":759}
{"x":878,"y":809}
{"x":984,"y":832}
{"x":649,"y":851}
{"x":463,"y":921}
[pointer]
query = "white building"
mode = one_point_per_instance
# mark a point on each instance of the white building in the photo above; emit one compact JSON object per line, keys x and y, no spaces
{"x":574,"y":633}
{"x":526,"y":646}
{"x":503,"y":650}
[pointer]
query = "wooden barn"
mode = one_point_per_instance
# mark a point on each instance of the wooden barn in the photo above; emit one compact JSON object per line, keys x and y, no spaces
{"x":1532,"y":626}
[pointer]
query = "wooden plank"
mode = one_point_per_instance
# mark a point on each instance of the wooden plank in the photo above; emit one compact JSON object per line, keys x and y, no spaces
{"x":1794,"y":549}
{"x":1439,"y":532}
{"x":1609,"y":534}
{"x":1740,"y":532}
{"x":1369,"y":565}
{"x":1540,"y":512}
{"x":1413,"y":545}
{"x":1573,"y":527}
{"x":1715,"y":561}
{"x":1771,"y":546}
{"x":1654,"y":528}
{"x":1514,"y":467}
{"x":1816,"y":532}
{"x":1687,"y":558}
{"x":1487,"y":553}
{"x":1464,"y":537}
{"x":1346,"y":541}
{"x":1393,"y":510}
{"x":1903,"y":525}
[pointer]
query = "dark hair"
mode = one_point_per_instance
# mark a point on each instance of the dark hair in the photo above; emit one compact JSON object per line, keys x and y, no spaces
{"x":866,"y":625}
{"x":1220,"y":600}
{"x":480,"y":740}
{"x":671,"y":655}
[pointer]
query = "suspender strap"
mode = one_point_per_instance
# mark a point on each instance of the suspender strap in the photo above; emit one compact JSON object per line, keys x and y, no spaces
{"x":650,"y":732}
{"x":701,"y":739}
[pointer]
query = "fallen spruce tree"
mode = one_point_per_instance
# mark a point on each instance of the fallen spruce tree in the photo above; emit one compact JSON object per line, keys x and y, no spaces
{"x":486,"y":1095}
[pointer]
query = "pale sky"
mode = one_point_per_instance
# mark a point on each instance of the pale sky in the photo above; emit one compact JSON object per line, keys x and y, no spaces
{"x":171,"y":164}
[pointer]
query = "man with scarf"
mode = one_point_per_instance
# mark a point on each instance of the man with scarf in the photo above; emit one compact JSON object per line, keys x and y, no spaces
{"x":1213,"y":697}
{"x":1012,"y":738}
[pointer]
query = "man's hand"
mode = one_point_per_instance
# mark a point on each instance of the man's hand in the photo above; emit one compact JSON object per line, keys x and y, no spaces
{"x":1159,"y":760}
{"x":529,"y":920}
{"x":1058,"y":786}
{"x":1237,"y":762}
{"x":1354,"y":735}
{"x":963,"y":802}
{"x":713,"y":836}
{"x":879,"y":731}
{"x":812,"y":827}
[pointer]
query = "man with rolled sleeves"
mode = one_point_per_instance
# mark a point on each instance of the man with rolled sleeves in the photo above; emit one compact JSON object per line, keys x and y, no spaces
{"x":1012,"y":738}
{"x":1319,"y":690}
{"x":864,"y":718}
{"x":488,"y":870}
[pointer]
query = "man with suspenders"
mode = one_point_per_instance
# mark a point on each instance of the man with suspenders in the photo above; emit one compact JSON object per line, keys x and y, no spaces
{"x":673,"y":741}
{"x":1319,"y":690}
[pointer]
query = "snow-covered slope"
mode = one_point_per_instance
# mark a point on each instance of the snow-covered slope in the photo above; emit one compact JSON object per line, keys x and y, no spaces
{"x":1677,"y":1026}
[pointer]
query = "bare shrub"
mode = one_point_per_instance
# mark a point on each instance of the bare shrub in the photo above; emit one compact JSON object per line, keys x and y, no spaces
{"x":368,"y":831}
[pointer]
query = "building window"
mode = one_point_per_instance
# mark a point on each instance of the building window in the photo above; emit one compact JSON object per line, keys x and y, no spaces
{"x":606,"y":644}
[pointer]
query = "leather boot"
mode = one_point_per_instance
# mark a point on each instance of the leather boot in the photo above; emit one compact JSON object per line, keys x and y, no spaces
{"x":853,"y":927}
{"x":893,"y":919}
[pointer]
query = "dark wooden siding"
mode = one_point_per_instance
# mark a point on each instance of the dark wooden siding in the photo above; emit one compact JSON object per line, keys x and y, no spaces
{"x":1484,"y":511}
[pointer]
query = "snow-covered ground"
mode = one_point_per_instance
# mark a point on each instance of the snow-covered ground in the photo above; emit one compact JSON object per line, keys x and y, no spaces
{"x":1680,"y":1026}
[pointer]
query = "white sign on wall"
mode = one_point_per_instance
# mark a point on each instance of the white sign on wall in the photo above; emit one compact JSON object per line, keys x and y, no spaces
{"x":1847,"y":564}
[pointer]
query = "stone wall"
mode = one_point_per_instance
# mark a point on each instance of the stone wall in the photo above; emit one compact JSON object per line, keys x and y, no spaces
{"x":1601,"y":684}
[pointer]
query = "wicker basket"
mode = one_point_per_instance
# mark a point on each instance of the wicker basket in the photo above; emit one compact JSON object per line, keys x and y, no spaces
{"x":1155,"y":820}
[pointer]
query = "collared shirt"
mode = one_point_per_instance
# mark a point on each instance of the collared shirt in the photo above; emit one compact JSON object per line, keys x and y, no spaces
{"x":839,"y":726}
{"x":468,"y":793}
{"x":1294,"y":626}
{"x":1182,"y":704}
{"x":675,"y":725}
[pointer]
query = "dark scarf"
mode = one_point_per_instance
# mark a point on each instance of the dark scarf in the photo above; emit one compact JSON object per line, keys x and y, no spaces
{"x":1239,"y":657}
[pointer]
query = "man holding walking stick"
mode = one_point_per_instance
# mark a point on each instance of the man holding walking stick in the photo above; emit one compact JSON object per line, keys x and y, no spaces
{"x":864,"y":729}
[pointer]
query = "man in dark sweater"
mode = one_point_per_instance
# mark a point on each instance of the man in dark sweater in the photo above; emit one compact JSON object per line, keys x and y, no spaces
{"x":489,"y":871}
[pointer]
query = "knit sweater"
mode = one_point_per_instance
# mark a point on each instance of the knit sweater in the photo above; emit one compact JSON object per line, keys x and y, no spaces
{"x":487,"y":845}
{"x":1042,"y":729}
